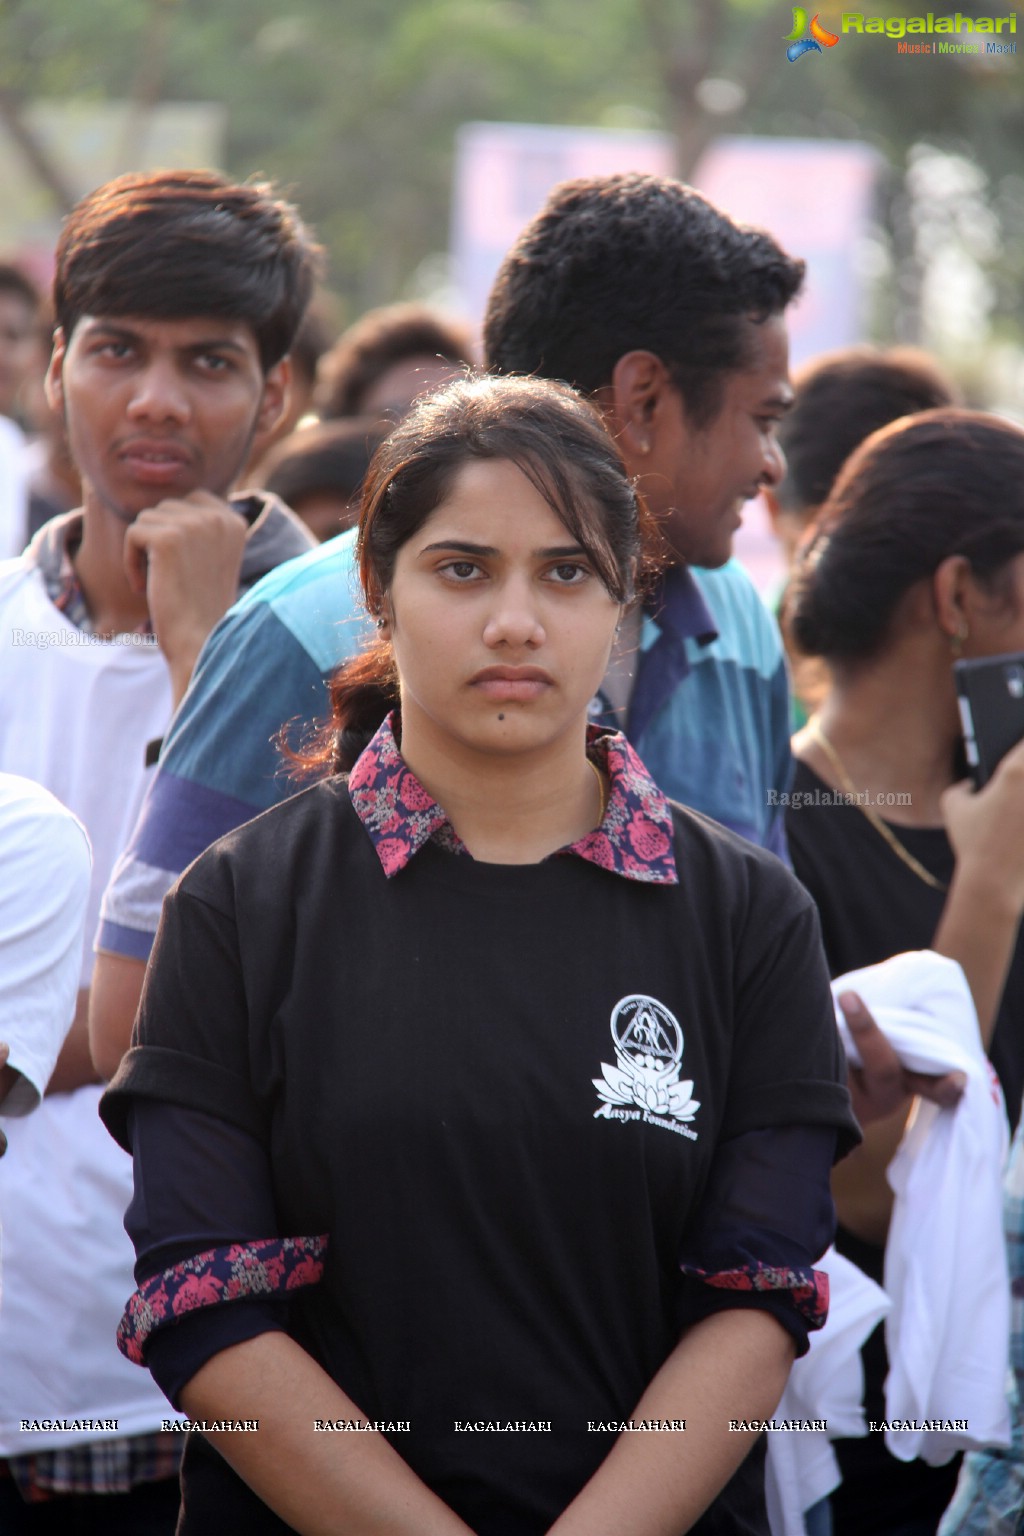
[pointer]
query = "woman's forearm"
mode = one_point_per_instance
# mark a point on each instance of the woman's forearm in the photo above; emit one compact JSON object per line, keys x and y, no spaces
{"x":978,"y":928}
{"x":731,"y":1366}
{"x":318,"y":1483}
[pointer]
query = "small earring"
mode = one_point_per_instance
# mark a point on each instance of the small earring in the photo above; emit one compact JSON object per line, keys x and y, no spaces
{"x":643,"y":446}
{"x":381,"y":621}
{"x":959,"y":640}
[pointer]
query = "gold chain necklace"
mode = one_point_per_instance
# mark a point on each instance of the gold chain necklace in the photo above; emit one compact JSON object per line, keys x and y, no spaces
{"x":602,"y":785}
{"x":881,"y":827}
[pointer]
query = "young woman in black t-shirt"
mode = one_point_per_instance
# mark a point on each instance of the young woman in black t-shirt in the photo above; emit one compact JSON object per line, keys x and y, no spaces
{"x":421,"y":1185}
{"x":918,"y":558}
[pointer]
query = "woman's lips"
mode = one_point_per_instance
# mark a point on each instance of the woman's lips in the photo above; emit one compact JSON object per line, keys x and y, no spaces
{"x":511,"y":684}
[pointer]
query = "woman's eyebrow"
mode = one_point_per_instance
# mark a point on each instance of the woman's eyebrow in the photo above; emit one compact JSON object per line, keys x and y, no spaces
{"x":462,"y":546}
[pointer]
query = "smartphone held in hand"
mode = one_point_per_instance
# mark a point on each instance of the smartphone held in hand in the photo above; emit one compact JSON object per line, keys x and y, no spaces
{"x":990,"y":693}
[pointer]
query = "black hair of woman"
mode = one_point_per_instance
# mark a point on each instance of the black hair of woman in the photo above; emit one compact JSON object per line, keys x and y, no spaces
{"x":942,"y":483}
{"x":547,"y":431}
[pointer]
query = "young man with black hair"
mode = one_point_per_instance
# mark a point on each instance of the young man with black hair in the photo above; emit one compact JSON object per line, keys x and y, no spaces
{"x":656,"y":304}
{"x":177,"y":295}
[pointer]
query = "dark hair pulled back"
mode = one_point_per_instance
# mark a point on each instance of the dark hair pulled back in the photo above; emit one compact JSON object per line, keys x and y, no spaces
{"x":550,"y":433}
{"x":942,"y":483}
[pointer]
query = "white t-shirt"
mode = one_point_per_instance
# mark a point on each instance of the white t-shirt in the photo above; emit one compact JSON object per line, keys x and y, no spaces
{"x":76,"y":715}
{"x":948,"y":1332}
{"x":44,"y":884}
{"x":13,"y":490}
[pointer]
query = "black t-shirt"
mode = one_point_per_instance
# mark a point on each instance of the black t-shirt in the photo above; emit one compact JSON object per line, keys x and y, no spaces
{"x":873,"y":906}
{"x":430,"y":1060}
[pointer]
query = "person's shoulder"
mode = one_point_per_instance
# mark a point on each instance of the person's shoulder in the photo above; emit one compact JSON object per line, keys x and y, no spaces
{"x":804,"y":777}
{"x":277,"y":536}
{"x":834,"y":848}
{"x":256,"y":853}
{"x":34,"y":820}
{"x":313,"y":599}
{"x":22,"y":579}
{"x":809,"y":793}
{"x":15,"y":572}
{"x":304,"y":575}
{"x":747,"y":631}
{"x":306,"y":810}
{"x":729,"y":582}
{"x":23,"y":797}
{"x":708,"y":851}
{"x":264,"y":666}
{"x":696,"y":829}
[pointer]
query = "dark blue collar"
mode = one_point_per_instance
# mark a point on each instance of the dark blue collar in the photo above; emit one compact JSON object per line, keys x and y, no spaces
{"x":676,"y":603}
{"x":676,"y":606}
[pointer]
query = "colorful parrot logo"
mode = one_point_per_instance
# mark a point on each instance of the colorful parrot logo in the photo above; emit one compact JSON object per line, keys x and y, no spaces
{"x":798,"y":44}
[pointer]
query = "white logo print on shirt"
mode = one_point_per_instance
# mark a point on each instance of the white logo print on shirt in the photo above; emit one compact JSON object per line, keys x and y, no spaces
{"x":648,"y":1049}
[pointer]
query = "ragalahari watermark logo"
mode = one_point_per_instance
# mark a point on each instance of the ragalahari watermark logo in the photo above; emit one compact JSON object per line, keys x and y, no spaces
{"x":799,"y":44}
{"x":930,"y":34}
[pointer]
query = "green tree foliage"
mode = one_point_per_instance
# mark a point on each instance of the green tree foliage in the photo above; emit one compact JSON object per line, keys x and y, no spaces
{"x":354,"y":106}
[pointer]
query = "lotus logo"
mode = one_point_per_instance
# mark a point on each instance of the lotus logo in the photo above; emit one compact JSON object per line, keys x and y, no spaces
{"x":799,"y":44}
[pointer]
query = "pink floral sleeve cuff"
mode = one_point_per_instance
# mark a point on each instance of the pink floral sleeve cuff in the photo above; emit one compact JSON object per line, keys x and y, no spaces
{"x":807,"y":1288}
{"x":268,"y":1268}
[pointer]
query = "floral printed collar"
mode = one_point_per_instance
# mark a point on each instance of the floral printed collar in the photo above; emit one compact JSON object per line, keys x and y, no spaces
{"x":633,"y":840}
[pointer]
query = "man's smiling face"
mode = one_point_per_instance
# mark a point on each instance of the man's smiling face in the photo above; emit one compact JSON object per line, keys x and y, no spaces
{"x":696,"y":479}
